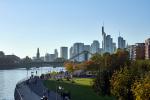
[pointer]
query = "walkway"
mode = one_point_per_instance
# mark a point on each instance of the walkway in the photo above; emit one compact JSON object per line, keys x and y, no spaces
{"x":36,"y":85}
{"x":33,"y":89}
{"x":26,"y":93}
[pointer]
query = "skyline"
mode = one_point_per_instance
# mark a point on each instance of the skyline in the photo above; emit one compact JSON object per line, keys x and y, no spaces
{"x":27,"y":25}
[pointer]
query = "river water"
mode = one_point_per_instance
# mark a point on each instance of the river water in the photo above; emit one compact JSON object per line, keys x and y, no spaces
{"x":9,"y":79}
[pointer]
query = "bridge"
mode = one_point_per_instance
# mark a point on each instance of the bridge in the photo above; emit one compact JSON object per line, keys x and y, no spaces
{"x":56,"y":63}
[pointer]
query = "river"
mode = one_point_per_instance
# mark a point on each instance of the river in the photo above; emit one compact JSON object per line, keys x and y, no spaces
{"x":9,"y":79}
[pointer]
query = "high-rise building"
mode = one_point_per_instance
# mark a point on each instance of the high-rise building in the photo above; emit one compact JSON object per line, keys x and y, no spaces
{"x":38,"y":54}
{"x":147,"y":48}
{"x":107,"y":43}
{"x":121,"y":43}
{"x":64,"y":52}
{"x":56,"y":53}
{"x":71,"y":52}
{"x":87,"y":48}
{"x":49,"y":57}
{"x":77,"y":49}
{"x":139,"y":51}
{"x":95,"y":47}
{"x":114,"y":47}
{"x":130,"y":49}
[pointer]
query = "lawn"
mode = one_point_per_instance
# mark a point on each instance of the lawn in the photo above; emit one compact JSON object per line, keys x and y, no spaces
{"x":80,"y":90}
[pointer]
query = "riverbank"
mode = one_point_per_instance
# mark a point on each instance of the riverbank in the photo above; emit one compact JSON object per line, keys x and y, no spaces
{"x":23,"y":92}
{"x":33,"y":89}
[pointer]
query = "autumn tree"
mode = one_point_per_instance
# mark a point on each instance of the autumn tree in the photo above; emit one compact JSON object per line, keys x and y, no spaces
{"x":141,"y":88}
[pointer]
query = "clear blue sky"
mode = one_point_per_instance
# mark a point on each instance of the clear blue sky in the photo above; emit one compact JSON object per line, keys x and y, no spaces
{"x":49,"y":24}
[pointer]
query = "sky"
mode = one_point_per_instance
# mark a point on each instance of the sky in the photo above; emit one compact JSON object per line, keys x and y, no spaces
{"x":26,"y":25}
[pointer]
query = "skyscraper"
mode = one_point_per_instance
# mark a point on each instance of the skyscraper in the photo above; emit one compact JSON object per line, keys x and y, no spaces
{"x":77,"y":49}
{"x":71,"y":52}
{"x":95,"y":47}
{"x":107,"y":43}
{"x":104,"y":40}
{"x":121,"y":43}
{"x":87,"y":48}
{"x":38,"y":54}
{"x":64,"y":52}
{"x":56,"y":53}
{"x":114,"y":47}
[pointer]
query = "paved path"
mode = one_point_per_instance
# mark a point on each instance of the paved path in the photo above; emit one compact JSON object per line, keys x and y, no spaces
{"x":34,"y":90}
{"x":26,"y":93}
{"x":38,"y":87}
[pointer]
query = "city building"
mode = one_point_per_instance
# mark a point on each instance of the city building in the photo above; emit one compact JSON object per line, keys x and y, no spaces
{"x":56,"y":53}
{"x":130,"y":49}
{"x":77,"y":49}
{"x":87,"y":48}
{"x":107,"y":43}
{"x":114,"y":47}
{"x":121,"y":43}
{"x":38,"y":54}
{"x":37,"y":58}
{"x":139,"y":51}
{"x":71,"y":52}
{"x":64,"y":52}
{"x":147,"y":48}
{"x":49,"y":57}
{"x":95,"y":47}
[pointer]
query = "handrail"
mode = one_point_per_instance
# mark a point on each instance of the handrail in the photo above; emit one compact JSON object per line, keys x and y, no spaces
{"x":18,"y":94}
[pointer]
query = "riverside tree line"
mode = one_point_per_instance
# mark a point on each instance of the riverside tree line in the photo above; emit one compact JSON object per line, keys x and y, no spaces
{"x":115,"y":74}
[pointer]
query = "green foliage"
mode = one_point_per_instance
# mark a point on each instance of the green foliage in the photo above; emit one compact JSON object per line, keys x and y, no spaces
{"x":141,"y":88}
{"x":102,"y":84}
{"x":121,"y":83}
{"x":108,"y":63}
{"x":123,"y":79}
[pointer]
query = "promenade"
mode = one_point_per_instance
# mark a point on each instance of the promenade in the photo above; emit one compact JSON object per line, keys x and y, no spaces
{"x":26,"y":93}
{"x":33,"y":89}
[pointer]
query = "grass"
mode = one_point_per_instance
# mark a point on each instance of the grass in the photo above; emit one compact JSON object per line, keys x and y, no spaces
{"x":80,"y":90}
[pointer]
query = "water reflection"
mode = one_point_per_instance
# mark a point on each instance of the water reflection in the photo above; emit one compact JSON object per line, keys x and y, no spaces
{"x":9,"y":79}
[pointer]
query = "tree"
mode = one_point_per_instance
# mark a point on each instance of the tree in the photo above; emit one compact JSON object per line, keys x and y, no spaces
{"x":69,"y":66}
{"x":121,"y":82}
{"x":141,"y":88}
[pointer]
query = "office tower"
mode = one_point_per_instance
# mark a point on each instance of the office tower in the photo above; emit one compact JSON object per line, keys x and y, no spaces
{"x":139,"y":51}
{"x":49,"y":57}
{"x":87,"y":48}
{"x":130,"y":49}
{"x":52,"y":57}
{"x":77,"y":49}
{"x":38,"y":54}
{"x":95,"y":47}
{"x":71,"y":52}
{"x":147,"y":48}
{"x":64,"y":52}
{"x":114,"y":47}
{"x":107,"y":42}
{"x":121,"y":43}
{"x":104,"y":39}
{"x":56,"y":53}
